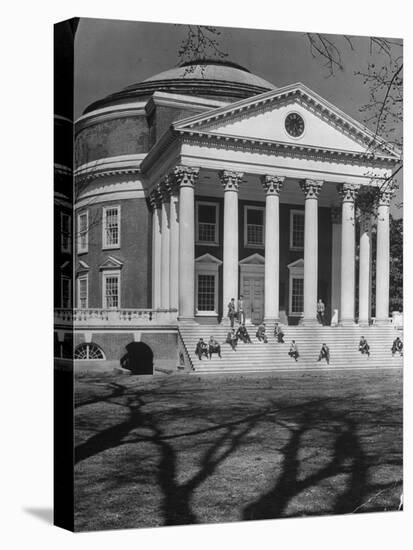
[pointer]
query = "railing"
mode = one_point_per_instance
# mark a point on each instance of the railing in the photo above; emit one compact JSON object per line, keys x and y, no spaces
{"x":111,"y":317}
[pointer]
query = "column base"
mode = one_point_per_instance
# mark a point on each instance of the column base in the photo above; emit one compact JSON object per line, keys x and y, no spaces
{"x":363,"y":323}
{"x":187,"y":321}
{"x":346,"y":323}
{"x":382,"y":322}
{"x":309,"y":322}
{"x":226,"y":322}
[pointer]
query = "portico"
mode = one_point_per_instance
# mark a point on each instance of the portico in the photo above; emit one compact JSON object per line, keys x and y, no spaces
{"x":236,"y":190}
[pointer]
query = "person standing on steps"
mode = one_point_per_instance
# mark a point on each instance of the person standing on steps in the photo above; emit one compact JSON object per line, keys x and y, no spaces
{"x":294,"y":351}
{"x":241,"y":310}
{"x":321,"y":308}
{"x":232,"y":339}
{"x":231,"y":311}
{"x":364,"y":348}
{"x":324,"y":354}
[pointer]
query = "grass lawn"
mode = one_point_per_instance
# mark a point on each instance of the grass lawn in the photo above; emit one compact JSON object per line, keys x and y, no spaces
{"x":170,"y":450}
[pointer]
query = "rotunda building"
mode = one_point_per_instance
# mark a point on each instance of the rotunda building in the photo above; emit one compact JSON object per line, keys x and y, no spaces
{"x":205,"y":183}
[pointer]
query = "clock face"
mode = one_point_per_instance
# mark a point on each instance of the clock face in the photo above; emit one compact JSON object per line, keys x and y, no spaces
{"x":294,"y":124}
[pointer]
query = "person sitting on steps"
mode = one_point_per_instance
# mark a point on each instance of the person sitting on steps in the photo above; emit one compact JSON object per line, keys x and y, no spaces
{"x":278,"y":334}
{"x":232,"y":339}
{"x":294,"y":350}
{"x":324,"y":354}
{"x":364,"y":348}
{"x":214,"y":347}
{"x":242,"y":334}
{"x":262,"y":337}
{"x":397,"y":347}
{"x":201,"y":349}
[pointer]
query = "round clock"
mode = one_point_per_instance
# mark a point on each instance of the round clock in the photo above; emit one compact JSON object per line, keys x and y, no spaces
{"x":294,"y":124}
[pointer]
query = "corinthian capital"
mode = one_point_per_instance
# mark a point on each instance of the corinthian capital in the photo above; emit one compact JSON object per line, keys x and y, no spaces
{"x":185,"y":176}
{"x":230,"y":180}
{"x":272,"y":184}
{"x":385,"y":193}
{"x":165,"y":188}
{"x":155,"y":198}
{"x":311,"y":188}
{"x":348,"y":191}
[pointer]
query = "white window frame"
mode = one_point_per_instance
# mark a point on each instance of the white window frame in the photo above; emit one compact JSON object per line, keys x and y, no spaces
{"x":105,"y":275}
{"x":207,"y":265}
{"x":79,"y":279}
{"x":105,"y":245}
{"x":82,"y":249}
{"x":69,"y":280}
{"x":69,"y":233}
{"x":207,"y":243}
{"x":292,"y":214}
{"x":251,"y":245}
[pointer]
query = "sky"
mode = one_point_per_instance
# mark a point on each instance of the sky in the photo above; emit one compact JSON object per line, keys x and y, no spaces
{"x":110,"y":55}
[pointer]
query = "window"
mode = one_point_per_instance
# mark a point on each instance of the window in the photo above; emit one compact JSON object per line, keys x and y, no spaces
{"x":206,"y":292}
{"x":66,"y":291}
{"x":111,"y":290}
{"x":297,"y":296}
{"x":82,"y":229}
{"x":254,"y":226}
{"x":207,"y":223}
{"x":297,"y":229}
{"x":89,"y":352}
{"x":65,"y":232}
{"x":82,"y":292}
{"x":111,"y":227}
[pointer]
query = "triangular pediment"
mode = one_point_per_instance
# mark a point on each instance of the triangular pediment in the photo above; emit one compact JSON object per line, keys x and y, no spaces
{"x":111,"y":263}
{"x":263,"y":118}
{"x":298,"y":264}
{"x":254,"y":259}
{"x":208,"y":259}
{"x":82,"y":266}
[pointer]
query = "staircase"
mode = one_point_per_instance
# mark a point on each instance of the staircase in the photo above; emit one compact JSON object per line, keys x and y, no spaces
{"x":259,"y":357}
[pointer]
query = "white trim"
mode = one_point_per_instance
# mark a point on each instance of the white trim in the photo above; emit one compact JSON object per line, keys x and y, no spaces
{"x":206,"y":243}
{"x":69,"y":280}
{"x":207,"y":265}
{"x":119,"y":162}
{"x":105,"y":245}
{"x":293,"y":212}
{"x":69,"y":233}
{"x":253,"y":207}
{"x":105,"y":275}
{"x":296,"y":270}
{"x":137,"y":108}
{"x":83,"y":277}
{"x":82,"y":249}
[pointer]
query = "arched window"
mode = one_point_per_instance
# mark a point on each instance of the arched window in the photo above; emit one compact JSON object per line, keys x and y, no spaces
{"x":89,"y":352}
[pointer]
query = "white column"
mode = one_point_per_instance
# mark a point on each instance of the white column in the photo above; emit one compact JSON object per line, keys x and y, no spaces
{"x":383,"y":256}
{"x":174,"y":251}
{"x":165,"y":246}
{"x":156,"y":249}
{"x":348,"y":194}
{"x":335,"y":263}
{"x":311,"y":189}
{"x":230,"y":182}
{"x":272,"y":186}
{"x":364,"y":270}
{"x":185,"y":178}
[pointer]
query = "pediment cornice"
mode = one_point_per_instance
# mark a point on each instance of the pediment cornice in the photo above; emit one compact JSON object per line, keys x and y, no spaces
{"x":296,"y":92}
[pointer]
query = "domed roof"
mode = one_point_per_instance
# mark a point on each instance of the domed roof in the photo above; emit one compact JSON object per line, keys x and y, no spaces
{"x":215,"y":79}
{"x":213,"y":70}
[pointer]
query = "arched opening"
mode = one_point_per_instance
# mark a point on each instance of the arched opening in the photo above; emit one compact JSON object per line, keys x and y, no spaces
{"x":138,"y":359}
{"x":89,"y":352}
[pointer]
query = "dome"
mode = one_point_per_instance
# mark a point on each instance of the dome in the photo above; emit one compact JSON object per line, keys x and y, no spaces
{"x":225,"y":71}
{"x":214,"y":79}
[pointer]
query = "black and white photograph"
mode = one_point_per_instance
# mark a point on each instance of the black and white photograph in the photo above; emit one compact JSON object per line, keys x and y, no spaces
{"x":228,"y":274}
